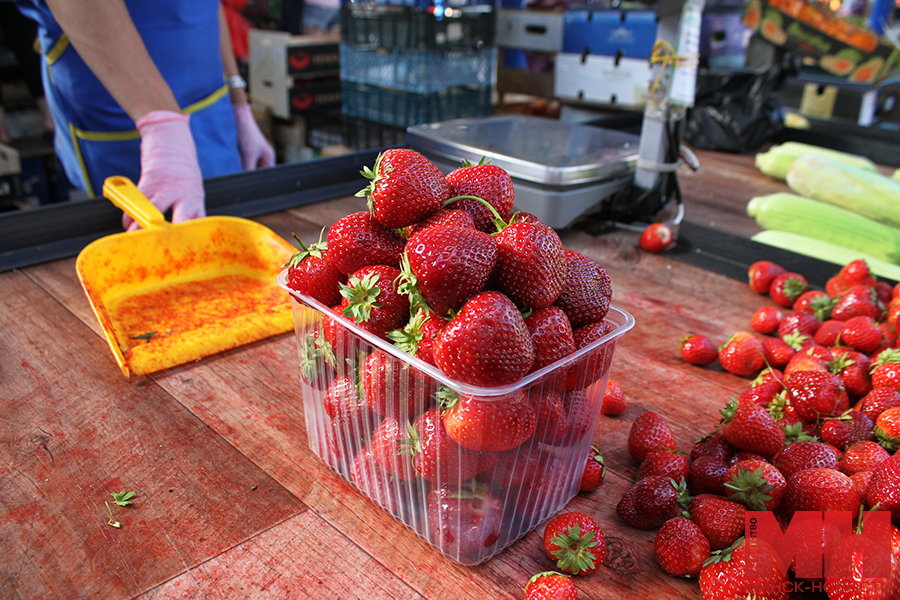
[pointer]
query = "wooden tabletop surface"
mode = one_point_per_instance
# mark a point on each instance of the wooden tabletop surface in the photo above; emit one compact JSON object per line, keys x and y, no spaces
{"x":231,"y":503}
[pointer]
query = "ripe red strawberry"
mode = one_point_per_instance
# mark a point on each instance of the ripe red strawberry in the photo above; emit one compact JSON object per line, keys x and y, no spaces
{"x":805,"y":455}
{"x":766,"y":319}
{"x":721,"y":520}
{"x":575,"y":542}
{"x":464,"y":521}
{"x":816,"y":303}
{"x":392,"y":387}
{"x":886,"y":370}
{"x":808,"y":359}
{"x":742,"y":354}
{"x":488,"y":182}
{"x":819,"y":490}
{"x":862,"y":334}
{"x":861,"y":570}
{"x":843,"y":431}
{"x":594,"y":471}
{"x":728,"y":578}
{"x":750,"y":427}
{"x":445,"y":266}
{"x":816,"y":395}
{"x":391,"y":449}
{"x":344,"y":402}
{"x":594,"y":364}
{"x":893,"y":315}
{"x":884,"y":487}
{"x":550,"y":414}
{"x":551,"y":335}
{"x":786,"y":288}
{"x":373,"y":481}
{"x":656,"y":237}
{"x":649,"y":432}
{"x":755,"y":483}
{"x":762,"y":394}
{"x":713,"y":444}
{"x":707,"y":475}
{"x":586,"y":296}
{"x":828,"y":333}
{"x":858,"y":301}
{"x":358,"y":240}
{"x":446,"y":217}
{"x":486,"y":343}
{"x":531,"y":265}
{"x":311,"y":272}
{"x":436,"y":457}
{"x":862,"y":456}
{"x":698,"y":350}
{"x":418,"y":336}
{"x":372,"y":302}
{"x":801,"y":322}
{"x":550,"y":585}
{"x":406,"y":187}
{"x":672,"y":464}
{"x":614,"y":400}
{"x":761,"y":274}
{"x":488,"y":424}
{"x":777,"y":353}
{"x":680,"y":547}
{"x":853,"y":368}
{"x":887,"y":429}
{"x":650,"y":502}
{"x":856,"y":272}
{"x":879,"y":400}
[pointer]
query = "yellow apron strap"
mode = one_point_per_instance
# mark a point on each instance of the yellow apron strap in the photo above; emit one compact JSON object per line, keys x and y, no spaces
{"x":58,"y":48}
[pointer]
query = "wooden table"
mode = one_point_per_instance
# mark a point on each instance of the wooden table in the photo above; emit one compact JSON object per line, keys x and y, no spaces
{"x":231,"y":503}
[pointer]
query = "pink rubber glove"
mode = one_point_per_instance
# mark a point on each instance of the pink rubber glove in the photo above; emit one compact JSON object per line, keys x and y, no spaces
{"x":170,"y":173}
{"x":256,"y":152}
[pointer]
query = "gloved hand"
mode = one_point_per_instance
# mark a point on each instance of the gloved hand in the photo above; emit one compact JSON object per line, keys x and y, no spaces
{"x":170,"y":173}
{"x":256,"y":152}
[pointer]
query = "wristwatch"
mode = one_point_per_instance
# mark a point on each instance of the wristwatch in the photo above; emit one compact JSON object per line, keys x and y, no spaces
{"x":236,"y":82}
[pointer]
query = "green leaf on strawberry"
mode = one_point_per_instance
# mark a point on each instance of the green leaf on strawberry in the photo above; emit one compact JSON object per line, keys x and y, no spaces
{"x":361,"y":295}
{"x":750,"y":488}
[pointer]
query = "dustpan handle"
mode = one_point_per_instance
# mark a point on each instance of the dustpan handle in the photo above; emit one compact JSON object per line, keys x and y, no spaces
{"x":125,"y":195}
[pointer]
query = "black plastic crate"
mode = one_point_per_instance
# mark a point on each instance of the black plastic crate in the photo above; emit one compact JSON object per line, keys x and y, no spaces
{"x":360,"y":134}
{"x":411,"y":28}
{"x":404,"y":109}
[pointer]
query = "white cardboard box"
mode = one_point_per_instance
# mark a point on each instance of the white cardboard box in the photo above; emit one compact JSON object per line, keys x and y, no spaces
{"x":602,"y":79}
{"x":540,"y":31}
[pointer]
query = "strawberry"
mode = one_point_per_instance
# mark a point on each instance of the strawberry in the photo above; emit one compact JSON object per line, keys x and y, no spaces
{"x":436,"y":457}
{"x":446,"y":217}
{"x":551,"y":336}
{"x":358,"y":240}
{"x":680,"y":547}
{"x":550,"y":415}
{"x":816,"y":303}
{"x":594,"y":471}
{"x":829,"y":332}
{"x":862,"y":456}
{"x":843,"y":431}
{"x":893,"y":315}
{"x":650,"y":502}
{"x":786,"y":288}
{"x":656,"y":237}
{"x":373,"y":481}
{"x":742,"y":354}
{"x":486,"y":343}
{"x":550,"y":585}
{"x":445,"y":266}
{"x":856,"y":272}
{"x":531,"y":265}
{"x":345,"y":403}
{"x":853,"y":368}
{"x":594,"y":364}
{"x":801,"y":322}
{"x":816,"y":395}
{"x":405,"y":188}
{"x":713,"y":444}
{"x":317,"y":359}
{"x":751,"y":428}
{"x":488,"y":182}
{"x":857,"y":301}
{"x":862,"y":334}
{"x":668,"y":463}
{"x":488,"y":424}
{"x":862,"y":570}
{"x":418,"y":336}
{"x":587,"y":293}
{"x":391,"y":449}
{"x":372,"y":301}
{"x":755,"y":483}
{"x":696,"y":349}
{"x":887,"y":429}
{"x":861,"y":482}
{"x":766,"y":319}
{"x":762,"y":394}
{"x":728,"y":578}
{"x":465,"y":521}
{"x":614,"y":400}
{"x":707,"y":475}
{"x":886,"y":369}
{"x":879,"y":400}
{"x":761,"y":274}
{"x":392,"y":387}
{"x":805,"y":455}
{"x":808,"y":359}
{"x":777,"y":353}
{"x":579,"y":417}
{"x":311,"y":272}
{"x":721,"y":520}
{"x":649,"y":432}
{"x":819,"y":490}
{"x":884,"y":487}
{"x":575,"y":542}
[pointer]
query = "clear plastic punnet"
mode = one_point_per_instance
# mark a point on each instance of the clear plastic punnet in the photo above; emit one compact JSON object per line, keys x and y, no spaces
{"x":380,"y":418}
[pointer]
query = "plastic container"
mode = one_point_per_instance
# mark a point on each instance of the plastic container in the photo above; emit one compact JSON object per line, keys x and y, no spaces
{"x":361,"y":395}
{"x":374,"y":26}
{"x":403,"y":109}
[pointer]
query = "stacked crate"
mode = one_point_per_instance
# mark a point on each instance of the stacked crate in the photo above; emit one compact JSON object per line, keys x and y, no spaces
{"x":408,"y":65}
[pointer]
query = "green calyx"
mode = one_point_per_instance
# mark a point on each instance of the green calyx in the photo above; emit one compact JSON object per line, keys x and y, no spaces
{"x":793,"y":287}
{"x":574,"y":550}
{"x":795,"y":340}
{"x":374,"y":175}
{"x":840,"y":362}
{"x":316,"y":250}
{"x":891,"y":355}
{"x":544,"y":574}
{"x":724,"y":555}
{"x":312,"y":350}
{"x":778,"y":405}
{"x":750,"y":488}
{"x":889,"y":442}
{"x":408,"y":338}
{"x":361,"y":295}
{"x":794,"y":433}
{"x":408,"y":285}
{"x":447,"y":398}
{"x":822,"y":306}
{"x":729,"y":410}
{"x":484,"y":161}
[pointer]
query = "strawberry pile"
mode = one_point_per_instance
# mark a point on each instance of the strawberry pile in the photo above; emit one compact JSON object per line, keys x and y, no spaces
{"x":441,"y":267}
{"x":817,"y":430}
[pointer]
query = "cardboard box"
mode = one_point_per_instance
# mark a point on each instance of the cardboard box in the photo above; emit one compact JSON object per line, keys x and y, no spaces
{"x":602,"y":79}
{"x":624,"y":33}
{"x":539,"y":31}
{"x":836,"y":46}
{"x":723,"y":38}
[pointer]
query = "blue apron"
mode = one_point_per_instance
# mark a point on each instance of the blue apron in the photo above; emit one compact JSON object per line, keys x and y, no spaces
{"x":94,"y":137}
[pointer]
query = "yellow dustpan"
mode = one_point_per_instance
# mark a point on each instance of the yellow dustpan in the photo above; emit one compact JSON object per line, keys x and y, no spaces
{"x":173,"y":293}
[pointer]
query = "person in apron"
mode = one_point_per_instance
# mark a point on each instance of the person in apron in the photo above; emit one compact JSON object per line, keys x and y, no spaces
{"x":148,"y":90}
